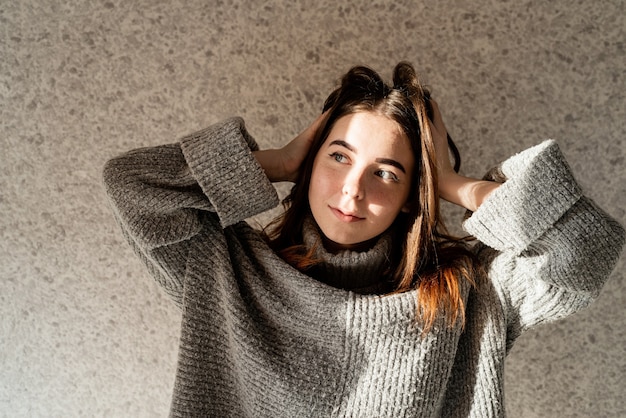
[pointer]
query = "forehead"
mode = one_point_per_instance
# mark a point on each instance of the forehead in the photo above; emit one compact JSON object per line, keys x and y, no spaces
{"x":372,"y":133}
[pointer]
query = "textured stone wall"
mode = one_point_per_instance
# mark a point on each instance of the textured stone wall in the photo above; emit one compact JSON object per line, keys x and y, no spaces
{"x":85,"y":332}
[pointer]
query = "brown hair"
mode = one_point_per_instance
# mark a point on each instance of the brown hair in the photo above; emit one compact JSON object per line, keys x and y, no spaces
{"x":430,"y":259}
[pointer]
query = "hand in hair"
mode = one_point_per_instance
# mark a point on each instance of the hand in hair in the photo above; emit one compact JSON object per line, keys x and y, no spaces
{"x":284,"y":164}
{"x":440,"y":138}
{"x":463,"y":191}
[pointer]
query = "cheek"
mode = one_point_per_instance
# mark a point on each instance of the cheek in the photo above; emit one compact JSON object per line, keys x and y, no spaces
{"x":386,"y":205}
{"x":322,"y":184}
{"x":315,"y":189}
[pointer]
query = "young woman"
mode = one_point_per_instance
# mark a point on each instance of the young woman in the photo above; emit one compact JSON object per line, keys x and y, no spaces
{"x":355,"y":302}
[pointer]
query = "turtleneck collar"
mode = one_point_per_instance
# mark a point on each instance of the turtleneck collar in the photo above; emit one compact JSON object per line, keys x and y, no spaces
{"x":358,"y":271}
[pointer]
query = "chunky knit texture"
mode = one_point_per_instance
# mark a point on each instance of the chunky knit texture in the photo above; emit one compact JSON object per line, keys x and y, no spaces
{"x":261,"y":339}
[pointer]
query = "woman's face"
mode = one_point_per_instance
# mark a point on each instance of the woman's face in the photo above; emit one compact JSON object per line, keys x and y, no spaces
{"x":361,"y":179}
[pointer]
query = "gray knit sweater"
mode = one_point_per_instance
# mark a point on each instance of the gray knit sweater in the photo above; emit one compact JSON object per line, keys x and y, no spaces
{"x":261,"y":339}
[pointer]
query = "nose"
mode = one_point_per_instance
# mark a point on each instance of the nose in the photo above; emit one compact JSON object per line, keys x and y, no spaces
{"x":353,"y":186}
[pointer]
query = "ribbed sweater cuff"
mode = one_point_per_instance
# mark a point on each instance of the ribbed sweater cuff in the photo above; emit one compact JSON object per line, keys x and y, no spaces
{"x":538,"y":189}
{"x":221,"y":160}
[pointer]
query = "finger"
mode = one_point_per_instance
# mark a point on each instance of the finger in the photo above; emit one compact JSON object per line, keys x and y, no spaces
{"x":318,"y":121}
{"x":438,"y":118}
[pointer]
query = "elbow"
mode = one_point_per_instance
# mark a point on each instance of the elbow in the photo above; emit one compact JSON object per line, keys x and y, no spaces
{"x":579,"y":253}
{"x":114,"y":169}
{"x":594,"y":243}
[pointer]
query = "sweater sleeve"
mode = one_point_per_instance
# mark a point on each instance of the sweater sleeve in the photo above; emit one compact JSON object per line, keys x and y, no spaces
{"x":547,"y":248}
{"x":162,"y":196}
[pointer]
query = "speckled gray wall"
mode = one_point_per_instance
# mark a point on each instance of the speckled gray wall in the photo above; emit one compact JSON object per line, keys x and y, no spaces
{"x":85,"y":332}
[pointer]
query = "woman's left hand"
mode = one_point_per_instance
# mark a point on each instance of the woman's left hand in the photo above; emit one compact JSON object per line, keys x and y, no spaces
{"x":463,"y":191}
{"x":440,"y":138}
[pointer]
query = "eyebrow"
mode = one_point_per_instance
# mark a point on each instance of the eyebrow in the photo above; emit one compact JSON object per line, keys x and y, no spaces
{"x":387,"y":161}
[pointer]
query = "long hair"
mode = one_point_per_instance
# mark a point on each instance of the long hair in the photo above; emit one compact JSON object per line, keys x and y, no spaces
{"x":429,"y":258}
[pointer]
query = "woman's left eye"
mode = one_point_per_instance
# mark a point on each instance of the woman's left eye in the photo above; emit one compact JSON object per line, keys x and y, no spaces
{"x":387,"y":175}
{"x":340,"y":158}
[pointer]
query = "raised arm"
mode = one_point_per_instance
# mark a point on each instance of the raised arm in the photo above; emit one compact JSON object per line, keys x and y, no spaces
{"x":547,"y":248}
{"x":463,"y":191}
{"x":164,"y":196}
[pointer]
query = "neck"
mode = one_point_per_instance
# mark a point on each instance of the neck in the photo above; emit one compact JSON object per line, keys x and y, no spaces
{"x":335,"y":248}
{"x":362,"y":268}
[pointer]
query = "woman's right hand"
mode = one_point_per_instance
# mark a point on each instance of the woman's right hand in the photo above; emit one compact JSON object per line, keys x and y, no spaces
{"x":284,"y":164}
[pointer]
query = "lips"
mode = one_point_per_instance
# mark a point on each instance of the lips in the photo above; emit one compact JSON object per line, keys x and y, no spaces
{"x":345,"y":216}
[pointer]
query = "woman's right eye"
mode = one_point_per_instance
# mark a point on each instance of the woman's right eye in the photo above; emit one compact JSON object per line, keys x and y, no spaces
{"x":340,"y":158}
